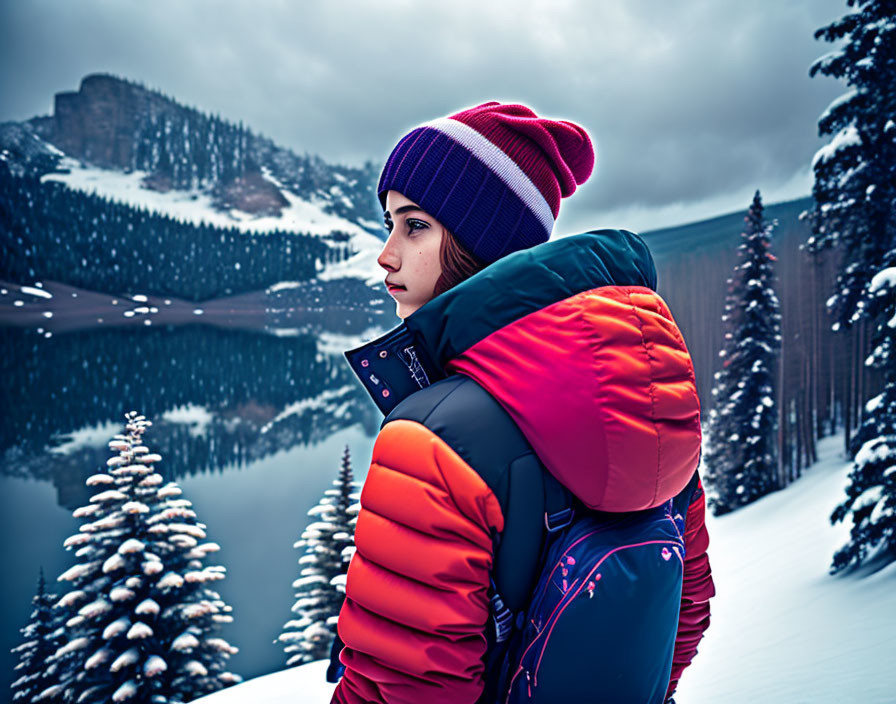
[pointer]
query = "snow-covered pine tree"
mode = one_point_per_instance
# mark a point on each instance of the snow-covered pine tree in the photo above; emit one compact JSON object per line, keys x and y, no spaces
{"x":871,"y":492}
{"x":854,"y":188}
{"x":320,"y":590}
{"x":191,"y":611}
{"x":855,"y":211}
{"x":143,"y":622}
{"x":741,"y":456}
{"x":42,"y":638}
{"x":718,"y":455}
{"x":347,"y":505}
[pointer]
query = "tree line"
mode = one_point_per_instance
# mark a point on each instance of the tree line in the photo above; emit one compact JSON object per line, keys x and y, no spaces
{"x":836,"y":368}
{"x":49,"y":230}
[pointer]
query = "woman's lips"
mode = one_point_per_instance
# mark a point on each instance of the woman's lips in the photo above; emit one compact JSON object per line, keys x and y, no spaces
{"x":392,"y":288}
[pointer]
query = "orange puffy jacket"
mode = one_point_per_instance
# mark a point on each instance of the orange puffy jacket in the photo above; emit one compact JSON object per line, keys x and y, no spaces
{"x":561,"y":357}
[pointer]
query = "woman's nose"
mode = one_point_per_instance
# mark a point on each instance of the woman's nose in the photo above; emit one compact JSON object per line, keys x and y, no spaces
{"x":388,"y":258}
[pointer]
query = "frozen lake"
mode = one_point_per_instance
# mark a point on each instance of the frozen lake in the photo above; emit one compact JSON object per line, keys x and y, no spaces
{"x":251,"y":425}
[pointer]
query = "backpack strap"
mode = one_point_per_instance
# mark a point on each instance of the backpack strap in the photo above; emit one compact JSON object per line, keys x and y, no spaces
{"x":559,"y":512}
{"x":559,"y":507}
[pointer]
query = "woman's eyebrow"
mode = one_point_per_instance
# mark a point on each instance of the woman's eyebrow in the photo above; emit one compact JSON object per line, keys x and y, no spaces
{"x":402,"y":209}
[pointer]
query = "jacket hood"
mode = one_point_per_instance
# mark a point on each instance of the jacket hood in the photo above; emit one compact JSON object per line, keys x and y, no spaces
{"x":572,"y":339}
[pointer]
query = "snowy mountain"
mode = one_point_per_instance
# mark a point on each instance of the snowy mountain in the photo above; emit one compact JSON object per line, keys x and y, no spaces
{"x":197,"y":206}
{"x":121,"y":141}
{"x":782,"y":629}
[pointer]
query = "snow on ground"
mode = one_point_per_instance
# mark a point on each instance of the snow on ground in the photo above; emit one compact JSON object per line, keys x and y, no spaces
{"x":295,"y":685}
{"x":361,"y":265}
{"x":40,"y":293}
{"x":194,"y":206}
{"x":782,"y":629}
{"x":300,"y":215}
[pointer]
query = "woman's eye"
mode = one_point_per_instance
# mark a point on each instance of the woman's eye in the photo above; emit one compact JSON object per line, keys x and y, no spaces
{"x":415,"y":225}
{"x":388,"y":225}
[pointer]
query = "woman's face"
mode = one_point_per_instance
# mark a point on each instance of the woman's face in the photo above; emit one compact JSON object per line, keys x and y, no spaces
{"x":411,"y":253}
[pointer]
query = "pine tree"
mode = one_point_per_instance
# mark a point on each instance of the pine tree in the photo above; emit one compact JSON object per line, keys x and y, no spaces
{"x":345,"y":518}
{"x":855,"y":211}
{"x":329,"y":545}
{"x":741,"y":456}
{"x":854,"y":188}
{"x":42,"y":638}
{"x":142,"y":620}
{"x":871,"y":492}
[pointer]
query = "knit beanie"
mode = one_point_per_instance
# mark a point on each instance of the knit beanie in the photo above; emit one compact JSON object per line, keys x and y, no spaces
{"x":493,"y":174}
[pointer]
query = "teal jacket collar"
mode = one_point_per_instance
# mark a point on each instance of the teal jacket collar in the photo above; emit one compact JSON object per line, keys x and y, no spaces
{"x":412,"y":355}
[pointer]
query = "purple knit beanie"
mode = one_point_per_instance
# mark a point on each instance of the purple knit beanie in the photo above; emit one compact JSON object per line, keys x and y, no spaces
{"x":493,"y":174}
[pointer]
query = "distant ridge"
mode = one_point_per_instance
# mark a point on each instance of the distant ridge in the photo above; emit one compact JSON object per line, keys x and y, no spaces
{"x":120,"y":126}
{"x":722,"y":231}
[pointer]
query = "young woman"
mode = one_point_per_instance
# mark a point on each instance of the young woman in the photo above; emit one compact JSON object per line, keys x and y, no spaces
{"x":516,"y":357}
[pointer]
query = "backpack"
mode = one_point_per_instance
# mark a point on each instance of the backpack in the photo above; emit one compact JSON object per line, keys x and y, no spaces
{"x":601,"y":622}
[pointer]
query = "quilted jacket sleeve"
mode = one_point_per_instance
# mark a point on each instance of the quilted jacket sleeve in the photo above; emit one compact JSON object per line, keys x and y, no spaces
{"x":416,"y":604}
{"x":698,"y":587}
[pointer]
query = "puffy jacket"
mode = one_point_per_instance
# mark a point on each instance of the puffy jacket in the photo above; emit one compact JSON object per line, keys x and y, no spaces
{"x":561,"y":357}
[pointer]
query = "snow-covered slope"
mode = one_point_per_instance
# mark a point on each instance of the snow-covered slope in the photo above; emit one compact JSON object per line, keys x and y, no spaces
{"x":296,"y":685}
{"x":782,"y":629}
{"x":196,"y":207}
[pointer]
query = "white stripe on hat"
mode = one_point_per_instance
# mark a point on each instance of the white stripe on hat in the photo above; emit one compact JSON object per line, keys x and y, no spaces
{"x":500,"y":164}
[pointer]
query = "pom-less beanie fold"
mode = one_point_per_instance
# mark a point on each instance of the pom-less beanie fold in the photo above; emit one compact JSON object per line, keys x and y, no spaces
{"x":493,"y":174}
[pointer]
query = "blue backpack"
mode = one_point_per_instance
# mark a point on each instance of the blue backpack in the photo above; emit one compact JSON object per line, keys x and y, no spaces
{"x":602,"y":620}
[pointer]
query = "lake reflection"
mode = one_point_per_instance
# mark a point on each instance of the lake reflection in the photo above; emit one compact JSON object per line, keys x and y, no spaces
{"x":252,"y":426}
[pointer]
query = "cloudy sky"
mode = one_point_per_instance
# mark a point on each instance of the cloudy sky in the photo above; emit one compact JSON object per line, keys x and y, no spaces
{"x":692,"y":104}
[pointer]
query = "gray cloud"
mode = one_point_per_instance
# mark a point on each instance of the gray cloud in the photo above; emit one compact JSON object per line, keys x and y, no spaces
{"x":691,"y":105}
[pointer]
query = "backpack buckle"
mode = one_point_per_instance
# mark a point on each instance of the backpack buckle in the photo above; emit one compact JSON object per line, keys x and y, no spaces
{"x":503,"y":618}
{"x":558,"y":521}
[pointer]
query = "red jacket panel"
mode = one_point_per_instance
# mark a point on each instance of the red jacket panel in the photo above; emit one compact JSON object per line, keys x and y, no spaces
{"x":416,"y":603}
{"x":602,"y":386}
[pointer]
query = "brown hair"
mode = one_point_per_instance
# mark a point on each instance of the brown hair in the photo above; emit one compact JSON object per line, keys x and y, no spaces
{"x":458,"y":263}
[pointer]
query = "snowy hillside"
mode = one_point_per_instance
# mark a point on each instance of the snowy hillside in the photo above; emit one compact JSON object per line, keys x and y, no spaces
{"x":297,"y":685}
{"x":196,"y":207}
{"x":782,"y":629}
